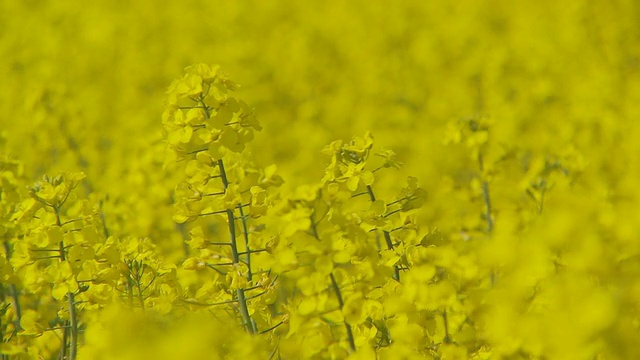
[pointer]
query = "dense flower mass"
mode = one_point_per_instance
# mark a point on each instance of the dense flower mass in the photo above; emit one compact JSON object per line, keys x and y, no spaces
{"x":406,"y":180}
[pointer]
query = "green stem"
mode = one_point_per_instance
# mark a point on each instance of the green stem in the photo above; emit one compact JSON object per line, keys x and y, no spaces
{"x":65,"y":334}
{"x":486,"y":197}
{"x":235,"y":257}
{"x":73,"y":319}
{"x":387,"y":236}
{"x":245,"y":231}
{"x":14,"y":290}
{"x":130,"y":289}
{"x":140,"y":297}
{"x":336,"y":289}
{"x":447,"y":336}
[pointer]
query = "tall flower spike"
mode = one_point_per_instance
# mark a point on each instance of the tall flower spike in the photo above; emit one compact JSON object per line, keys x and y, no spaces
{"x":206,"y":129}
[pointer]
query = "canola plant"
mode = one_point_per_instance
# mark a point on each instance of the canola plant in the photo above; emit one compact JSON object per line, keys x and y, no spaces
{"x":402,"y":180}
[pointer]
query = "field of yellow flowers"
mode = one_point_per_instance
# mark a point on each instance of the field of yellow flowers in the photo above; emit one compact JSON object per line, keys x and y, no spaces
{"x":319,"y":179}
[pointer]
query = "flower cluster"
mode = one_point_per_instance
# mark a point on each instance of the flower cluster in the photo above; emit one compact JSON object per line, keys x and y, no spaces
{"x":60,"y":268}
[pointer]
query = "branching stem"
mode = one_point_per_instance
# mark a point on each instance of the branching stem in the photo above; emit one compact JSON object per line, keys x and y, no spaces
{"x":486,"y":196}
{"x":387,"y":236}
{"x":336,"y":289}
{"x":73,"y":317}
{"x":242,"y":301}
{"x":15,"y":296}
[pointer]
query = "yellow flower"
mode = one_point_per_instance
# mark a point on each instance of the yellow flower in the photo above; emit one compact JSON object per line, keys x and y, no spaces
{"x":258,"y":206}
{"x":63,"y":280}
{"x":30,"y":323}
{"x":353,"y":309}
{"x":207,"y":72}
{"x":313,"y":284}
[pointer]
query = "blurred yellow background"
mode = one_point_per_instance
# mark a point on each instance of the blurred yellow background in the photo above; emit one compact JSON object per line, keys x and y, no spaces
{"x":549,"y":73}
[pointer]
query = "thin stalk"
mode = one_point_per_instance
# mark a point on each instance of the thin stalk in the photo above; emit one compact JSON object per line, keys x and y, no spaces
{"x":65,"y":334}
{"x":209,"y":304}
{"x":314,"y":226}
{"x":486,"y":197}
{"x":73,"y":321}
{"x":242,"y":301}
{"x":245,"y":231}
{"x":130,"y":289}
{"x":387,"y":236}
{"x":272,"y":328}
{"x":15,"y":296}
{"x":105,"y":229}
{"x":73,"y":317}
{"x":447,"y":336}
{"x":140,"y":297}
{"x":391,"y":213}
{"x":336,"y":289}
{"x":487,"y":203}
{"x":218,"y":243}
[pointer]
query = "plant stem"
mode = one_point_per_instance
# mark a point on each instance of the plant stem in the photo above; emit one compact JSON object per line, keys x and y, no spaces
{"x":249,"y":324}
{"x":336,"y":289}
{"x":73,"y":319}
{"x":387,"y":236}
{"x":14,"y":291}
{"x":140,"y":297}
{"x":447,"y":336}
{"x":245,"y":231}
{"x":486,"y":196}
{"x":63,"y":351}
{"x":242,"y":300}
